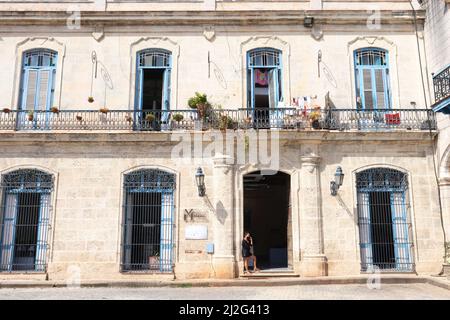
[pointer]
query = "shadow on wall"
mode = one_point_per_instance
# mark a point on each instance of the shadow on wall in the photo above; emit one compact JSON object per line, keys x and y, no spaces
{"x":221,"y":212}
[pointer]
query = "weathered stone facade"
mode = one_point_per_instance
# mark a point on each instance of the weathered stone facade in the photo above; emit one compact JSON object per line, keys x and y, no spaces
{"x":209,"y":41}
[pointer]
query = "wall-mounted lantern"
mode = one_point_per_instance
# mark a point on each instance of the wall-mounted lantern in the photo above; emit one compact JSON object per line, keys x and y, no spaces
{"x":200,"y":180}
{"x":338,"y":180}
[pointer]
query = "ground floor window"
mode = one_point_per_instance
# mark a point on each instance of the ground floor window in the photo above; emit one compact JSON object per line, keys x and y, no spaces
{"x":383,"y":220}
{"x":25,"y":220}
{"x":148,"y":221}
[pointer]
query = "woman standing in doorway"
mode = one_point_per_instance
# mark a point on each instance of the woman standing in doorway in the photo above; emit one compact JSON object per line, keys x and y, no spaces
{"x":247,"y":252}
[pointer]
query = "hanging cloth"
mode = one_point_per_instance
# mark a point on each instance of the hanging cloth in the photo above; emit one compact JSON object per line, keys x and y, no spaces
{"x":261,"y":77}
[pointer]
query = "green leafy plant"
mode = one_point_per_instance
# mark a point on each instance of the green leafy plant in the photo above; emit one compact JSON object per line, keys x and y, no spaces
{"x":314,"y":116}
{"x":226,"y":122}
{"x":150,"y":117}
{"x":200,"y":102}
{"x":90,"y":99}
{"x":178,"y":117}
{"x":198,"y":99}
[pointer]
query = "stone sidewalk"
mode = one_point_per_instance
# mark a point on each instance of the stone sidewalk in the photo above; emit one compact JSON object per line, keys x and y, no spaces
{"x":442,"y":282}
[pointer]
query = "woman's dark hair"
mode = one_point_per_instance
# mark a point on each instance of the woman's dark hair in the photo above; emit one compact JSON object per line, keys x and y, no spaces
{"x":246,"y":233}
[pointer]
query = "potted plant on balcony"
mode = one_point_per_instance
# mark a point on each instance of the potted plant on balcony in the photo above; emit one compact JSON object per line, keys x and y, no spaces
{"x":79,"y":118}
{"x":178,"y":117}
{"x":54,"y":110}
{"x":104,"y":110}
{"x":201,"y":104}
{"x":6,"y":110}
{"x":226,"y":122}
{"x":314,"y":118}
{"x":30,"y":115}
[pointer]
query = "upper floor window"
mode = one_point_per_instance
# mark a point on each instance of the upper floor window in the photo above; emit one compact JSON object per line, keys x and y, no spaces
{"x":372,"y":79}
{"x":153,"y":80}
{"x":38,"y":79}
{"x":264,"y":78}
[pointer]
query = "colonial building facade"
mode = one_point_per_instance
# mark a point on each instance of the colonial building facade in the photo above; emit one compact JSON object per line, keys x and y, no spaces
{"x":313,"y":134}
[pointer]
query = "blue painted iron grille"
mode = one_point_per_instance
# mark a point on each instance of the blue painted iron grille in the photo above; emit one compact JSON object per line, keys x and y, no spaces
{"x":148,"y":221}
{"x":383,"y":220}
{"x":25,"y":220}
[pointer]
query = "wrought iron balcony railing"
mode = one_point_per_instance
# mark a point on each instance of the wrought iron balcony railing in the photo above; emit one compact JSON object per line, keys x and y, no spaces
{"x":441,"y":82}
{"x":237,"y":119}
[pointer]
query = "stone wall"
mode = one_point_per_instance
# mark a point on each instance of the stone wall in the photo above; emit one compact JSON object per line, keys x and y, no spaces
{"x":88,"y":197}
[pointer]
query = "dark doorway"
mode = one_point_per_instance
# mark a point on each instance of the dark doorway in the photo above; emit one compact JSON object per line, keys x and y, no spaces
{"x":381,"y":230}
{"x":25,"y":241}
{"x":266,"y":216}
{"x":152,"y":89}
{"x":145,"y":230}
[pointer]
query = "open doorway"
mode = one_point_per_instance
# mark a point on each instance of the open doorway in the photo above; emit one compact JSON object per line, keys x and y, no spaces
{"x":267,"y":217}
{"x":152,"y":89}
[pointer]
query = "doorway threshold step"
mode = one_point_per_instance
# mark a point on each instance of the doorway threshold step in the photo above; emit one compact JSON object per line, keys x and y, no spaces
{"x":262,"y":274}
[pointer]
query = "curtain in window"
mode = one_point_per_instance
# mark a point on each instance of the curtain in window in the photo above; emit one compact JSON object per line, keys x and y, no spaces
{"x":9,"y":225}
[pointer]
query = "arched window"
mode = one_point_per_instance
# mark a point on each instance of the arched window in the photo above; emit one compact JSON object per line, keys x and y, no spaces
{"x":148,"y":221}
{"x":25,"y":220}
{"x":384,"y":224}
{"x":38,"y":79}
{"x":372,"y":79}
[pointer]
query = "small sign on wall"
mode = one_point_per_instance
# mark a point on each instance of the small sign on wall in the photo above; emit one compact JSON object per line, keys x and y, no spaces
{"x":196,"y":232}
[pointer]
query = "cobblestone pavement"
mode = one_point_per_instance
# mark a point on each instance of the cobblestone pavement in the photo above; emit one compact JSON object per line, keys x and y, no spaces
{"x":335,"y":292}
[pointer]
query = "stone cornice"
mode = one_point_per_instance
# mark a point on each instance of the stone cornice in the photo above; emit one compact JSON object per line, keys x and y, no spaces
{"x":282,"y":17}
{"x":288,"y":137}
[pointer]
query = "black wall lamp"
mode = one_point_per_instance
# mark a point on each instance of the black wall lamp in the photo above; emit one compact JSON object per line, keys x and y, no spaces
{"x":338,"y":179}
{"x":200,"y":180}
{"x":308,"y":22}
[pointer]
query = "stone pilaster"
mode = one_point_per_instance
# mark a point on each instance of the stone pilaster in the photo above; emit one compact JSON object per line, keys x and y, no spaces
{"x":223,"y":203}
{"x":444,"y":185}
{"x":313,"y":259}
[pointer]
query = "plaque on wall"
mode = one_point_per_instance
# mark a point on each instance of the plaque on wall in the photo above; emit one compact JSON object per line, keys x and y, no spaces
{"x":196,"y":232}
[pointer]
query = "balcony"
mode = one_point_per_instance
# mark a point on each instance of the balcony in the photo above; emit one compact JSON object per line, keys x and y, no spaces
{"x":218,"y":119}
{"x":441,"y":82}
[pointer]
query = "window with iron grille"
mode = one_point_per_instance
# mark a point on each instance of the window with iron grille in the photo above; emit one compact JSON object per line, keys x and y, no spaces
{"x":441,"y":83}
{"x":383,"y":220}
{"x":25,"y":220}
{"x":38,"y":80}
{"x":372,"y":79}
{"x":148,"y":221}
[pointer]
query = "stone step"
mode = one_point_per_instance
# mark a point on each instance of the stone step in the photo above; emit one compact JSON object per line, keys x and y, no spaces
{"x":262,"y":274}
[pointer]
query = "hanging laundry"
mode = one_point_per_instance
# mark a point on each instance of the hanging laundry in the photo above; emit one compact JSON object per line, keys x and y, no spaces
{"x":261,"y":77}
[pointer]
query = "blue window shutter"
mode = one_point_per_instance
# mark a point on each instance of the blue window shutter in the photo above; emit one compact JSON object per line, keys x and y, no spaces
{"x":29,"y":89}
{"x":44,"y":89}
{"x":367,"y":88}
